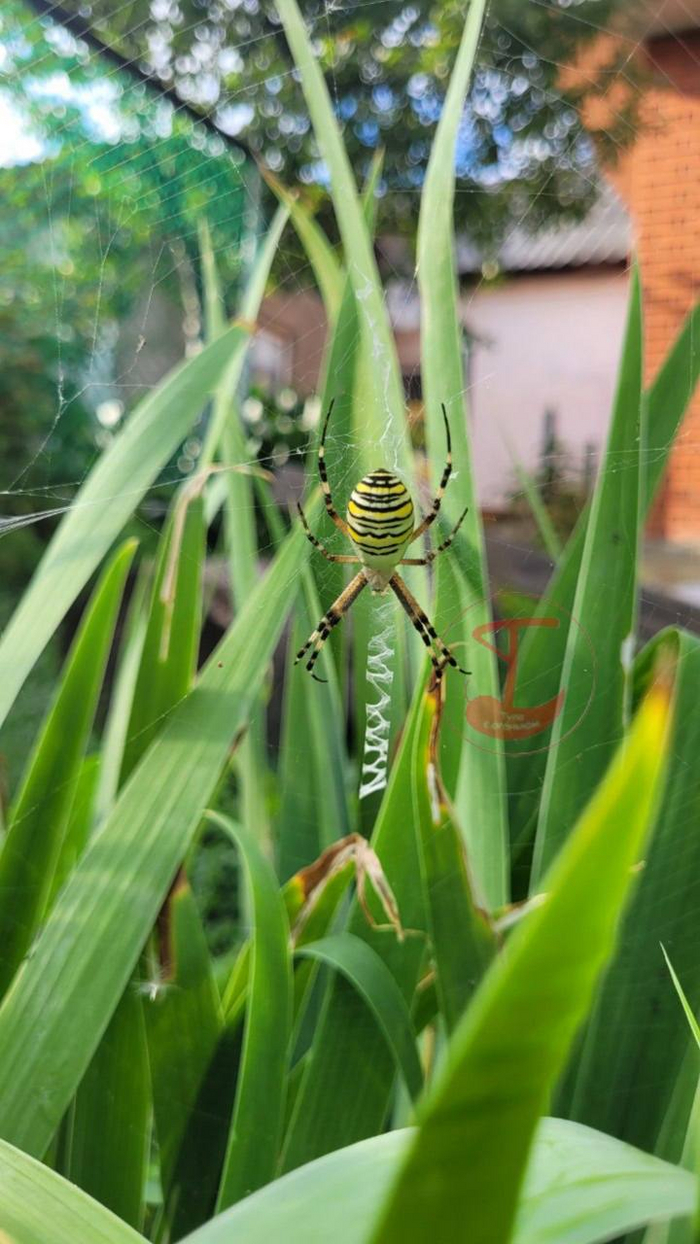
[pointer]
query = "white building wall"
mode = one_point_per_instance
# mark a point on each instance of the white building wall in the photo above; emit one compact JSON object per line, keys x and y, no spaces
{"x":550,"y":340}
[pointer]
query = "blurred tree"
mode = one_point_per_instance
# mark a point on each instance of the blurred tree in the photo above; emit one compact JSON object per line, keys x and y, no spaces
{"x":523,"y":150}
{"x":102,"y":196}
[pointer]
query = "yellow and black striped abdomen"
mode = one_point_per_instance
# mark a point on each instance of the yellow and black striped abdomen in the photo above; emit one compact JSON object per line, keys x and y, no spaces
{"x":380,"y":517}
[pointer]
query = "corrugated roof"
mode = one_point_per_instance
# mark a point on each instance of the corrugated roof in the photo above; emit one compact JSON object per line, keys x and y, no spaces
{"x":603,"y":236}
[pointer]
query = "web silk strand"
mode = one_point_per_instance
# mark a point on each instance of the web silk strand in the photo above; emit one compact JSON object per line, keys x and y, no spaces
{"x":380,"y":677}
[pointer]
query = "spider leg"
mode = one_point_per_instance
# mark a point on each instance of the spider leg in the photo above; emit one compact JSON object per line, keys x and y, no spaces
{"x":331,"y":557}
{"x":430,"y":518}
{"x":330,"y":619}
{"x":430,"y":557}
{"x":330,"y":508}
{"x":425,"y":628}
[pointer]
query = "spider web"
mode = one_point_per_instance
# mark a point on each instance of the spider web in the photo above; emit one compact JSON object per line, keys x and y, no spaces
{"x":125,"y":353}
{"x":127,"y":346}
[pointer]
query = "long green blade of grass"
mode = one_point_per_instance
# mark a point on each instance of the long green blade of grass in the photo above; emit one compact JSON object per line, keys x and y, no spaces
{"x":256,"y":1125}
{"x":667,"y":400}
{"x":171,"y":643}
{"x":385,"y":395}
{"x":595,"y":677}
{"x":348,"y":1064}
{"x":327,"y":269}
{"x":480,"y":799}
{"x":109,"y":1124}
{"x":547,"y":531}
{"x":637,"y":1034}
{"x":228,"y":379}
{"x":226,"y":440}
{"x":37,"y":1205}
{"x":110,"y":1121}
{"x":61,"y":1001}
{"x":38,"y":821}
{"x":313,"y":803}
{"x":111,"y":492}
{"x":581,"y":1187}
{"x":372,"y":979}
{"x":542,"y":651}
{"x":468,"y":1159}
{"x":462,"y":940}
{"x":184,"y":1022}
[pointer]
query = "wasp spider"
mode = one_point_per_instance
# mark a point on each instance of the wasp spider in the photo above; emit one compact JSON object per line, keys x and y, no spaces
{"x":380,"y":525}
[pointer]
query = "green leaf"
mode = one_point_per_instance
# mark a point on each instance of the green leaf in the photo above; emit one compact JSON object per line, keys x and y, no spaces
{"x":183,"y":1026}
{"x":385,"y":412}
{"x":80,"y":822}
{"x":349,"y":1065}
{"x":109,"y":1127}
{"x":542,"y":651}
{"x":545,"y":526}
{"x":61,"y":1000}
{"x":226,"y":382}
{"x":321,"y":256}
{"x":467,"y":1161}
{"x":361,"y":965}
{"x":480,"y":797}
{"x":38,"y":821}
{"x":596,"y":700}
{"x":256,"y":1125}
{"x":313,"y":803}
{"x":637,"y":1034}
{"x":581,"y":1187}
{"x":109,"y":495}
{"x":109,"y":1161}
{"x":116,"y":726}
{"x":34,"y":1200}
{"x":171,"y":643}
{"x":225,"y":437}
{"x":667,"y":401}
{"x":462,"y":941}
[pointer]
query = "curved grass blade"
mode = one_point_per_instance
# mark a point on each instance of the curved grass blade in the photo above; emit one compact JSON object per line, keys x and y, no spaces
{"x":109,"y":1128}
{"x":588,"y":728}
{"x":361,"y":965}
{"x":109,"y":495}
{"x":227,"y":379}
{"x":468,"y":1159}
{"x":531,"y":490}
{"x":348,"y":1064}
{"x":462,"y":940}
{"x":116,"y":725}
{"x":637,"y":1034}
{"x":327,"y":270}
{"x":34,"y":1200}
{"x":480,"y":795}
{"x":313,"y":802}
{"x":386,"y":403}
{"x":183,"y":1025}
{"x":171,"y":643}
{"x":581,"y":1187}
{"x":225,"y":438}
{"x":111,"y":1114}
{"x":542,"y":651}
{"x":38,"y":821}
{"x":256,"y":1124}
{"x":60,"y":1002}
{"x":668,"y":397}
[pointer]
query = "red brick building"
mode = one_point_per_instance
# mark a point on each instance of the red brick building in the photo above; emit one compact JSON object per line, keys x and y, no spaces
{"x":658,"y":178}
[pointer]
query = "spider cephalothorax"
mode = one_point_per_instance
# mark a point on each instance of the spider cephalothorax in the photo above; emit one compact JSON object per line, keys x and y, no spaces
{"x":380,"y":525}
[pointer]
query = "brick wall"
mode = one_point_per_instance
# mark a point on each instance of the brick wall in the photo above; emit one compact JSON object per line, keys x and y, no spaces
{"x":659,"y":178}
